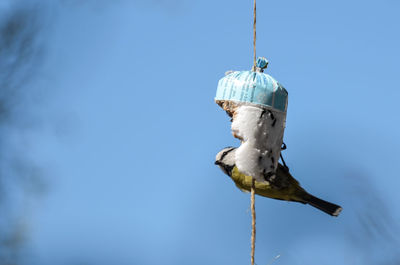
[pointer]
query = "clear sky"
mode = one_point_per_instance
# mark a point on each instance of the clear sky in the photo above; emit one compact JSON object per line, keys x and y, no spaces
{"x":120,"y":122}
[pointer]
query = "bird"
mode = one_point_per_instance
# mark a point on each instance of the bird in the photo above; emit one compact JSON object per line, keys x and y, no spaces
{"x":281,"y":186}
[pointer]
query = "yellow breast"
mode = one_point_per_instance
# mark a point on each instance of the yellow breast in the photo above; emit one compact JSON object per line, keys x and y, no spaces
{"x":293,"y":192}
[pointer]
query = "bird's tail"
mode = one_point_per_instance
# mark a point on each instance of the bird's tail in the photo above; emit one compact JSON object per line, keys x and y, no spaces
{"x":327,"y":207}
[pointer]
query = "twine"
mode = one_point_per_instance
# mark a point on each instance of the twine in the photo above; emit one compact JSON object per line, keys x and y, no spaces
{"x":253,"y":220}
{"x":253,"y":182}
{"x":254,"y":35}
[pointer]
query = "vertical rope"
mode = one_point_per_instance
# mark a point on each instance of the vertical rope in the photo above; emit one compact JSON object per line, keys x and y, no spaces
{"x":253,"y":220}
{"x":254,"y":34}
{"x":253,"y":181}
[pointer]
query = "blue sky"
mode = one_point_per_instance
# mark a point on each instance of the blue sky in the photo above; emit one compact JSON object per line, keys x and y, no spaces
{"x":120,"y":119}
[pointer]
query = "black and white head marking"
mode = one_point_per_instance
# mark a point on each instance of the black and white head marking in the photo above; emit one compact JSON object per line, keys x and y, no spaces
{"x":225,"y":159}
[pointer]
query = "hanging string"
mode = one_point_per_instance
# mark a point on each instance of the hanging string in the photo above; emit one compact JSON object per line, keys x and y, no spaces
{"x":254,"y":35}
{"x":253,"y":220}
{"x":253,"y":181}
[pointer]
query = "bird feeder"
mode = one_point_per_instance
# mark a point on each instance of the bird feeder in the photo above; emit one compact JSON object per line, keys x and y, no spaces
{"x":257,"y":104}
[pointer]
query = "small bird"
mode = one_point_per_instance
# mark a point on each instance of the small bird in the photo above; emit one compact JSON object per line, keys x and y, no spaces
{"x":281,"y":186}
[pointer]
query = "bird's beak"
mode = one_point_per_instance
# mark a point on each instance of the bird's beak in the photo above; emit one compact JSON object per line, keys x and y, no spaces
{"x":217,"y":163}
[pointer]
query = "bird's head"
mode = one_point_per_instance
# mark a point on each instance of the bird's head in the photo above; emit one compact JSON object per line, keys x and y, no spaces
{"x":225,"y":159}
